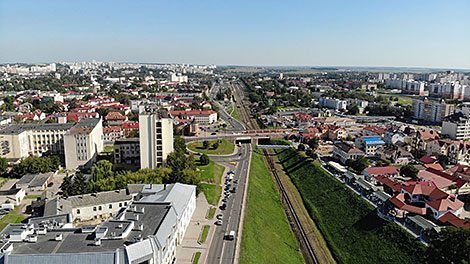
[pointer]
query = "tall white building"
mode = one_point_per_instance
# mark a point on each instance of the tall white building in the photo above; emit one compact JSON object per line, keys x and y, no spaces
{"x":155,"y":136}
{"x":457,"y":126}
{"x":83,"y":142}
{"x":431,"y":111}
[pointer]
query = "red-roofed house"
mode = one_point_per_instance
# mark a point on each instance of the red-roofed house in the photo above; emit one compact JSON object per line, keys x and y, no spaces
{"x":399,"y":201}
{"x":423,"y":137}
{"x":116,"y":118}
{"x":76,"y":116}
{"x":380,"y":171}
{"x":452,"y":219}
{"x":443,"y":206}
{"x":427,"y":160}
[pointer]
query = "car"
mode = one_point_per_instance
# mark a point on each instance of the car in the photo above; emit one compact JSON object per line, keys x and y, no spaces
{"x":225,"y":199}
{"x":219,"y":222}
{"x":213,"y":133}
{"x":223,"y":206}
{"x":235,"y":181}
{"x":220,"y":216}
{"x":234,"y":190}
{"x":231,"y":172}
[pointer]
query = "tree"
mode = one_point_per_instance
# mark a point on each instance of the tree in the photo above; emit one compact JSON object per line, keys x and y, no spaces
{"x":358,"y":164}
{"x":3,"y":166}
{"x":80,"y":184}
{"x":450,"y":246}
{"x":205,"y":144}
{"x":204,"y":159}
{"x":103,"y":169}
{"x":313,"y":143}
{"x":443,"y":161}
{"x":301,"y":147}
{"x":409,"y":170}
{"x":179,"y":144}
{"x":66,"y":186}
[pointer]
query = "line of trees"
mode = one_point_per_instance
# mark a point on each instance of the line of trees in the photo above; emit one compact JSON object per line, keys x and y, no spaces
{"x":31,"y":165}
{"x":179,"y":167}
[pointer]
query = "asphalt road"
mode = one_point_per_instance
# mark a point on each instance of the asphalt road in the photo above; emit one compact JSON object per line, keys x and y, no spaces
{"x":221,"y":249}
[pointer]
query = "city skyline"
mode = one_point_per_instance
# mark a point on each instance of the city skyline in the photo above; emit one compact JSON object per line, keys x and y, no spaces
{"x":359,"y":34}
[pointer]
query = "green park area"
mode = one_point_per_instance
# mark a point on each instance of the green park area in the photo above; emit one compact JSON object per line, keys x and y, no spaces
{"x":353,"y":231}
{"x":211,"y":172}
{"x":13,"y":217}
{"x":266,"y":227}
{"x":214,"y":147}
{"x":212,"y":192}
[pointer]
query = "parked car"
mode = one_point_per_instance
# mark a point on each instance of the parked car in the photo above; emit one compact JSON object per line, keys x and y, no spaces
{"x":220,"y":216}
{"x":219,"y":222}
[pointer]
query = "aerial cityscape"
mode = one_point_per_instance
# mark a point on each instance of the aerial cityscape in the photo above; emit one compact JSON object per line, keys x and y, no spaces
{"x":161,"y":132}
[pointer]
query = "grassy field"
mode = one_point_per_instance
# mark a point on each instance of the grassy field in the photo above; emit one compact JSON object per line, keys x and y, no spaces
{"x":224,"y":148}
{"x":205,"y":231}
{"x":351,"y":227}
{"x":108,"y":149}
{"x":267,"y":236}
{"x":12,"y":217}
{"x":235,"y":114}
{"x":212,"y":192}
{"x":212,"y":172}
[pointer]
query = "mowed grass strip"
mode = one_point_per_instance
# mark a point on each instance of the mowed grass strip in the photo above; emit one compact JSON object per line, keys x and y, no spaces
{"x":267,"y":236}
{"x":205,"y":231}
{"x":351,"y":227}
{"x":211,"y":172}
{"x":12,"y":217}
{"x":212,"y":192}
{"x":224,"y":147}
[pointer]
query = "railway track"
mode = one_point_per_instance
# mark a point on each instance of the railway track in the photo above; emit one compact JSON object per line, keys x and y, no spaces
{"x":305,"y":242}
{"x":309,"y":252}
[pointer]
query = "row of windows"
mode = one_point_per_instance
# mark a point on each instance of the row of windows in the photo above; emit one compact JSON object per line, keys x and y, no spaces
{"x":99,"y":208}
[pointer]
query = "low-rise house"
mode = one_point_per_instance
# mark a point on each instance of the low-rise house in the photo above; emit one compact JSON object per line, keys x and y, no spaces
{"x":423,"y":137}
{"x":372,"y":172}
{"x":344,"y":151}
{"x":396,"y":155}
{"x":116,"y":118}
{"x":35,"y":182}
{"x":437,"y":147}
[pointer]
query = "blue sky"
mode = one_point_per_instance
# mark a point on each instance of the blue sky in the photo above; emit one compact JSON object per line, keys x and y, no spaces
{"x":279,"y":33}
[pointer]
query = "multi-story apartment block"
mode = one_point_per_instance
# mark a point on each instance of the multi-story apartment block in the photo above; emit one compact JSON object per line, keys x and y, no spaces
{"x":127,"y":153}
{"x":83,"y":142}
{"x":457,"y":126}
{"x":431,"y":111}
{"x":369,"y":144}
{"x":156,"y":137}
{"x":19,"y":141}
{"x":450,"y":90}
{"x":333,"y":103}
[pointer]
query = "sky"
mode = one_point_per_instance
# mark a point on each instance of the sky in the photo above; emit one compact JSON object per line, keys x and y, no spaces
{"x":416,"y":33}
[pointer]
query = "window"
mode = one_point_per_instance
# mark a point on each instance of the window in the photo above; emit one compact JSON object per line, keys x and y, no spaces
{"x":110,"y":206}
{"x":120,"y":204}
{"x":125,"y":203}
{"x":100,"y":208}
{"x":78,"y":211}
{"x":94,"y":208}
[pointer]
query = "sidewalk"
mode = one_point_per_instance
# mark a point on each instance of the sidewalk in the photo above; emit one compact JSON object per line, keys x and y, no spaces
{"x":190,"y":245}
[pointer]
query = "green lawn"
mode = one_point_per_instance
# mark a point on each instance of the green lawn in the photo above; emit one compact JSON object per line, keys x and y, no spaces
{"x":108,"y":149}
{"x":224,"y":148}
{"x":32,"y":196}
{"x":211,"y":213}
{"x":267,"y":236}
{"x":212,"y":172}
{"x":212,"y":192}
{"x":235,"y":114}
{"x":12,"y":217}
{"x":205,"y":230}
{"x":350,"y":226}
{"x":196,"y":257}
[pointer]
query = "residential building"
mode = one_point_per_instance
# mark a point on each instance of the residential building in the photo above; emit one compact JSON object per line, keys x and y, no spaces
{"x":35,"y":182}
{"x":112,"y":133}
{"x":83,"y":142}
{"x":457,"y":126}
{"x":431,"y":111}
{"x":390,"y":171}
{"x":127,"y":154}
{"x":333,"y":103}
{"x":344,"y":151}
{"x":201,"y":117}
{"x":369,"y":144}
{"x":156,"y":137}
{"x":19,"y":141}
